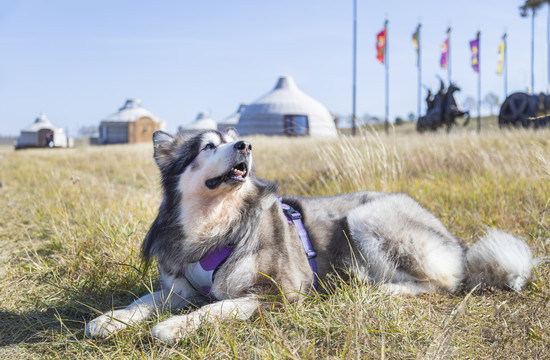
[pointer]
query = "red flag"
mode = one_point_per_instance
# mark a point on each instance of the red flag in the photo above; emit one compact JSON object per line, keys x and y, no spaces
{"x":381,"y":45}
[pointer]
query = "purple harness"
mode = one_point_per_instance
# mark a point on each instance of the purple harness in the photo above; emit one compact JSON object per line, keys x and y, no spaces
{"x":294,"y":217}
{"x":200,"y":274}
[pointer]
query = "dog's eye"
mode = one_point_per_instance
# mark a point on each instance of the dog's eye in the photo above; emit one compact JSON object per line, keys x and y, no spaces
{"x":209,"y":146}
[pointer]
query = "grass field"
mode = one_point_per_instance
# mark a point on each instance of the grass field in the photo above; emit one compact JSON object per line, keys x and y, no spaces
{"x":72,"y":221}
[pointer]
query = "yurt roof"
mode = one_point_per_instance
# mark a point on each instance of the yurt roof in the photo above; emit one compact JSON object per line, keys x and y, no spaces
{"x":202,"y":122}
{"x":287,"y":99}
{"x":233,"y":119}
{"x":41,"y":122}
{"x":131,"y":111}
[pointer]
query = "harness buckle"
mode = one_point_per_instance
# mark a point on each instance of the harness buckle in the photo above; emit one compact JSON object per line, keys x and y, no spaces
{"x":311,"y":254}
{"x":289,"y":211}
{"x":293,"y":214}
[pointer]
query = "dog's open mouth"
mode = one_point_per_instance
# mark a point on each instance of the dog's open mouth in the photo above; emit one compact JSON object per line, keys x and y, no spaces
{"x":237,"y":173}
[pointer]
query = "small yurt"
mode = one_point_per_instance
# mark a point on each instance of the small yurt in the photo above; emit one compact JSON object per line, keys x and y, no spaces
{"x":41,"y":133}
{"x":232,"y":120}
{"x":202,"y":122}
{"x":287,"y":110}
{"x":131,"y":124}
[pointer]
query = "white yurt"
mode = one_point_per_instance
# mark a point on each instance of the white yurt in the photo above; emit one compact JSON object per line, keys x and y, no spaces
{"x":132,"y":123}
{"x":42,"y":133}
{"x":203,"y":121}
{"x":287,"y":110}
{"x":232,"y":120}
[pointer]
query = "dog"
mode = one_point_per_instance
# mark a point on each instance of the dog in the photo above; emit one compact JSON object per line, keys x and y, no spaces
{"x":223,"y":240}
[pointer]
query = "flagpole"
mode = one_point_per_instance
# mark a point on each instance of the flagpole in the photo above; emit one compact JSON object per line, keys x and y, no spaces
{"x":386,"y":66}
{"x":505,"y":60}
{"x":479,"y":82}
{"x":449,"y":55}
{"x":419,"y":65}
{"x":532,"y":50}
{"x":354,"y":81}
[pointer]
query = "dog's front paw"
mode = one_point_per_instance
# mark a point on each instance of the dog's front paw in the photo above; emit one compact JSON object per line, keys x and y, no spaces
{"x":174,"y":328}
{"x":107,"y":324}
{"x":167,"y":333}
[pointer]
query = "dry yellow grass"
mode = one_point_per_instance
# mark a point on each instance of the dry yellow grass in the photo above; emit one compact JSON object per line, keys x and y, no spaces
{"x":72,"y":221}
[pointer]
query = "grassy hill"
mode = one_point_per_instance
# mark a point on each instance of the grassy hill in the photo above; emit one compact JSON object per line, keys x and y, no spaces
{"x":72,"y":221}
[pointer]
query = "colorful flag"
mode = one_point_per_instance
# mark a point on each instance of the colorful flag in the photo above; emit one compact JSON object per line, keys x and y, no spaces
{"x":444,"y":53}
{"x":416,"y":43}
{"x":474,"y":46}
{"x":381,"y":45}
{"x":501,"y":51}
{"x":416,"y":39}
{"x":500,"y":57}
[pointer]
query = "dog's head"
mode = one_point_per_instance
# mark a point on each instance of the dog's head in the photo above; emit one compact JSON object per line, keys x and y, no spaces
{"x":207,"y":163}
{"x":209,"y":185}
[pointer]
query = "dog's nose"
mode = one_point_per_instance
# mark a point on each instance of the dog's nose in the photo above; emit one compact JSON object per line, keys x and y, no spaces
{"x":243,"y":146}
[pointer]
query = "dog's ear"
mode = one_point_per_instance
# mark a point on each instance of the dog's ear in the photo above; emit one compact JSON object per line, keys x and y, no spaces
{"x":163,"y":142}
{"x":232,"y":133}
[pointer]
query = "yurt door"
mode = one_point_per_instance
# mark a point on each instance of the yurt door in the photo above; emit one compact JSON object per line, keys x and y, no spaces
{"x":45,"y":138}
{"x":296,"y":125}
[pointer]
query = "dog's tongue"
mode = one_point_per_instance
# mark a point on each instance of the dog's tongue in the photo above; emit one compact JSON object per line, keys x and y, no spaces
{"x":237,"y":175}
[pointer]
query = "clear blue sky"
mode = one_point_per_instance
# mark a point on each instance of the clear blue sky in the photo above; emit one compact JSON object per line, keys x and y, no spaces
{"x":78,"y":61}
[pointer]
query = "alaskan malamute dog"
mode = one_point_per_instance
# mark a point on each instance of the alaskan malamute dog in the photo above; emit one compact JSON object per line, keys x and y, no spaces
{"x":221,"y":238}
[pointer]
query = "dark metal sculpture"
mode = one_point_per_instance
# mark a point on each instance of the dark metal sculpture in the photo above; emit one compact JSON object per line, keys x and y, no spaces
{"x":442,"y":110}
{"x":525,"y":110}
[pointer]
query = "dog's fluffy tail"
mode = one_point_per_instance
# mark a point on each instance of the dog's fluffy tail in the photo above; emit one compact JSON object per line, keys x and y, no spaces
{"x":501,"y":260}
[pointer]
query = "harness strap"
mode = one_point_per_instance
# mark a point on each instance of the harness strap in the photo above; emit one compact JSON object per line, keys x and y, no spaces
{"x":294,"y":217}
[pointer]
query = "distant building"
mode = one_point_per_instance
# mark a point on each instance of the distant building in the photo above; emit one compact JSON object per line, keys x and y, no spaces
{"x":232,"y":120}
{"x":287,"y":110}
{"x":131,"y":124}
{"x":202,"y":122}
{"x":8,"y":140}
{"x":41,"y":133}
{"x":344,"y":123}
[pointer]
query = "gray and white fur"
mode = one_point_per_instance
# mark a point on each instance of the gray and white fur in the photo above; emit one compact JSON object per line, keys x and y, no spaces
{"x":212,"y":198}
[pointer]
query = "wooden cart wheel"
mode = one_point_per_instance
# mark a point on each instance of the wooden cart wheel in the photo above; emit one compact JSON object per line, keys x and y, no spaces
{"x":516,"y":110}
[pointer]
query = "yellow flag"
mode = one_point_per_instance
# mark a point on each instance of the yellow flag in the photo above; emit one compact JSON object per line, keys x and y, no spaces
{"x":501,"y":49}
